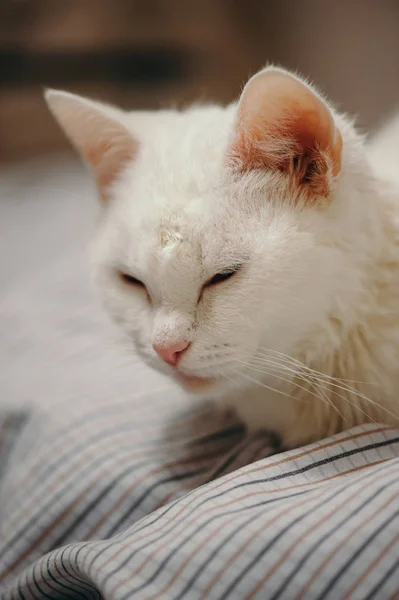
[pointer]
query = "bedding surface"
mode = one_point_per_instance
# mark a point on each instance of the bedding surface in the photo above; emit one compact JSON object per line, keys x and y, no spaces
{"x":115,"y":485}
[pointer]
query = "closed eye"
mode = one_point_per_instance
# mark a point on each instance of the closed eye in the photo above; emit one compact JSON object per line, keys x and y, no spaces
{"x":130,"y":280}
{"x":222,"y":276}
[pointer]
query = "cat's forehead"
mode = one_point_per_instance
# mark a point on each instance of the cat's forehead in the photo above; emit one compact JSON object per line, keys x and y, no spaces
{"x":172,"y":229}
{"x":184,"y":149}
{"x":179,"y":227}
{"x":189,"y":241}
{"x":175,"y":202}
{"x":199,"y":123}
{"x":200,"y":239}
{"x":174,"y":185}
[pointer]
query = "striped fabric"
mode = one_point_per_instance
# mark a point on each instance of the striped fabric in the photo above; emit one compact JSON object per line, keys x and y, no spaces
{"x":114,"y":485}
{"x":113,"y":505}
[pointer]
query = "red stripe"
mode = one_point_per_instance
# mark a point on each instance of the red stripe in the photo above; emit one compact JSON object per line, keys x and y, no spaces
{"x":371,"y":566}
{"x":311,"y":529}
{"x":185,"y":525}
{"x":339,"y":546}
{"x":229,"y":479}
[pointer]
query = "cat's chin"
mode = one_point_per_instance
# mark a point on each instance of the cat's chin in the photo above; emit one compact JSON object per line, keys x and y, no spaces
{"x":190,"y":383}
{"x":196,"y":385}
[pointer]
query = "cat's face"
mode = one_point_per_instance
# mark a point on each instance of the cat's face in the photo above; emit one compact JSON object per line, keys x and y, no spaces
{"x":205,"y":261}
{"x":181,"y":232}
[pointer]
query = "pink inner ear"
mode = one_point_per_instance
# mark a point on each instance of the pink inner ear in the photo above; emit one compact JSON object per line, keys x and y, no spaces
{"x":283,"y":125}
{"x":97,"y":133}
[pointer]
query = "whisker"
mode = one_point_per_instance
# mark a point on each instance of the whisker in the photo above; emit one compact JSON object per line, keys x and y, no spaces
{"x":311,"y":382}
{"x":325,"y":387}
{"x":268,"y":387}
{"x":227,"y":377}
{"x":301,"y":364}
{"x":332,"y":380}
{"x":348,"y":389}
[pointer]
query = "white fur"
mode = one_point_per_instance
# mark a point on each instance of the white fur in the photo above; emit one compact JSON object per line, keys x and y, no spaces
{"x":319,"y":283}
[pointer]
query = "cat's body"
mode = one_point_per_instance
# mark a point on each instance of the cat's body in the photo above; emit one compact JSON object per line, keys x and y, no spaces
{"x":269,"y":248}
{"x":358,"y":353}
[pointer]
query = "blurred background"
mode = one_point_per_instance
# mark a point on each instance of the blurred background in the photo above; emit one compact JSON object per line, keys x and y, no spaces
{"x":151,"y":53}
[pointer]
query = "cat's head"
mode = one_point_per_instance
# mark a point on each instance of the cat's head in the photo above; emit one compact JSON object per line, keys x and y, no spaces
{"x":218,"y":234}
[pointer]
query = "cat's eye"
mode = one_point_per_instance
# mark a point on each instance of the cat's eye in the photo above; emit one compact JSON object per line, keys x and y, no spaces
{"x":222,"y":276}
{"x":130,"y":280}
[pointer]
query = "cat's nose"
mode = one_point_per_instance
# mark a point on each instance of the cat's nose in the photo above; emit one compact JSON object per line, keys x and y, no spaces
{"x":171,"y":353}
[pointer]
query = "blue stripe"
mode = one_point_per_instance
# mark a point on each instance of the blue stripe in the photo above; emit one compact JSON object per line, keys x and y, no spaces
{"x":75,"y":449}
{"x":78,"y":581}
{"x":323,"y":538}
{"x":78,"y":478}
{"x":209,"y":520}
{"x":348,"y":563}
{"x":394,"y":568}
{"x":237,"y":486}
{"x":230,"y":536}
{"x":324,"y":502}
{"x":59,"y":584}
{"x":174,"y":525}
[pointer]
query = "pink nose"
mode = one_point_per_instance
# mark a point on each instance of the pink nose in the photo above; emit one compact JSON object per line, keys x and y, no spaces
{"x":171,"y":353}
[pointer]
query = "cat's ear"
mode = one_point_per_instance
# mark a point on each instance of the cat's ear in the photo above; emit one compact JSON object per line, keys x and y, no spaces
{"x":284,"y":126}
{"x":97,"y":132}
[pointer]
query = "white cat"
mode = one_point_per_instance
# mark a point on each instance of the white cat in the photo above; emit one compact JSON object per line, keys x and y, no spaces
{"x":251,"y":251}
